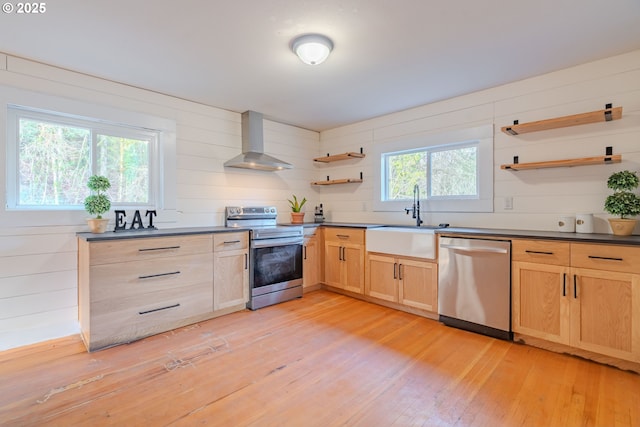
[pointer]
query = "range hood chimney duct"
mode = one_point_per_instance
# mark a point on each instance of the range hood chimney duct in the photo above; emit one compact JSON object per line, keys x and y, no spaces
{"x":253,"y":156}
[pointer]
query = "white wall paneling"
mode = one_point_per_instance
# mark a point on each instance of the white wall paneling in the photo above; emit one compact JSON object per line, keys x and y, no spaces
{"x":38,"y":261}
{"x":539,"y":196}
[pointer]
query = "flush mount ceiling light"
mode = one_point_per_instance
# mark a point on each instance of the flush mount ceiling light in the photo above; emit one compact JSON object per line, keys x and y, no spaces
{"x":312,"y":49}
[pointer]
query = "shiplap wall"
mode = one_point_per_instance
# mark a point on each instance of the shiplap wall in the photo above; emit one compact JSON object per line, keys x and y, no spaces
{"x":540,"y":196}
{"x":38,"y":297}
{"x":38,"y":257}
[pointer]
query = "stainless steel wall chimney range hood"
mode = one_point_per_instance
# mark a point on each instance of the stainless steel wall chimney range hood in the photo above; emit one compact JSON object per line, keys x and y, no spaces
{"x":253,"y":156}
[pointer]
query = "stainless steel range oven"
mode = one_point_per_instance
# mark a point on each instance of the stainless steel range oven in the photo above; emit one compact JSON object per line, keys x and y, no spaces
{"x":275,"y":260}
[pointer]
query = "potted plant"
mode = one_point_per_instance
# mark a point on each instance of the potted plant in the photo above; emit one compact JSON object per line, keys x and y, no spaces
{"x":623,"y":202}
{"x":98,"y":203}
{"x":297,"y":217}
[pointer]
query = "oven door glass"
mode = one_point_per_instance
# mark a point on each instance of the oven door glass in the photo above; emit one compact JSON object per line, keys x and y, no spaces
{"x":276,"y":264}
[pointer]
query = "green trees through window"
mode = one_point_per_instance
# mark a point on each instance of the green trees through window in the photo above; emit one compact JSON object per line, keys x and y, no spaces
{"x":56,"y":156}
{"x":446,"y":172}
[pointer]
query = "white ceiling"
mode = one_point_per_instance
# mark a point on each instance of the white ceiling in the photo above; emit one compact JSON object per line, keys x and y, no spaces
{"x":389,"y":55}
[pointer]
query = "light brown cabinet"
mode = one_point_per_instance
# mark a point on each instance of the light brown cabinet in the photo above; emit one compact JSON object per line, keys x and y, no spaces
{"x":311,"y":259}
{"x":582,"y":295}
{"x":344,"y":258}
{"x":132,"y":288}
{"x":409,"y":281}
{"x":231,"y":270}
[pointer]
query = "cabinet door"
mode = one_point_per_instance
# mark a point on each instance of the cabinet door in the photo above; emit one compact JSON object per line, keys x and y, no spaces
{"x":418,"y":284}
{"x":606,"y":313}
{"x":231,"y":279}
{"x":333,"y":264}
{"x":310,"y":262}
{"x":383,"y":277}
{"x":353,"y":268}
{"x":541,"y":301}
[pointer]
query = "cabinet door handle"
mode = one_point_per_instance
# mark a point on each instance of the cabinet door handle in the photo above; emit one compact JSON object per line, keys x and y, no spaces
{"x":159,"y":309}
{"x":539,"y":252}
{"x":564,"y":284}
{"x":400,"y":271}
{"x":230,"y":242}
{"x":246,"y":261}
{"x":166,"y":248}
{"x":305,"y":252}
{"x":395,"y":267}
{"x":575,"y":286}
{"x":158,"y":275}
{"x":344,"y":254}
{"x":605,"y":258}
{"x":340,"y":253}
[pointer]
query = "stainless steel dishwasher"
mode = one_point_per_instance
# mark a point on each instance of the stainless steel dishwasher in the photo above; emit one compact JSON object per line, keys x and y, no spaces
{"x":474,"y":285}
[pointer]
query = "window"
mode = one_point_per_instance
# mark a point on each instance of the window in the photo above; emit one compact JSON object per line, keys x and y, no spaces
{"x":444,"y":172}
{"x":453,"y":172}
{"x":53,"y":155}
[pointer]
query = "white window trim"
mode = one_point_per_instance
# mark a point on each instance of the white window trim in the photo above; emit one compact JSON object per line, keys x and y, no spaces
{"x":166,"y":200}
{"x":483,"y":203}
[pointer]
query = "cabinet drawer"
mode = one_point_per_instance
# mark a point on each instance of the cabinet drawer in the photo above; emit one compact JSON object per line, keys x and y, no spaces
{"x":115,"y":323}
{"x":113,"y":251}
{"x":230,"y":241}
{"x":541,"y":251}
{"x":351,"y":235}
{"x":133,"y":282}
{"x":624,"y":259}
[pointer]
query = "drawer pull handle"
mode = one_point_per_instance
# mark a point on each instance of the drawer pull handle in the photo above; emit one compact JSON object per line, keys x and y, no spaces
{"x":158,"y":275}
{"x":230,"y":242}
{"x":342,"y":236}
{"x":605,"y":258}
{"x":158,"y":309}
{"x":167,"y":248}
{"x":539,"y":252}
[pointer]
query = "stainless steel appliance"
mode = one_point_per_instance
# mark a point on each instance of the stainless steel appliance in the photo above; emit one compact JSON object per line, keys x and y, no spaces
{"x":275,"y":255}
{"x":474,"y":285}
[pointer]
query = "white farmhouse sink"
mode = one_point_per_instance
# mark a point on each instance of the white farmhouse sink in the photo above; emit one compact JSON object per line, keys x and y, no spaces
{"x":407,"y":241}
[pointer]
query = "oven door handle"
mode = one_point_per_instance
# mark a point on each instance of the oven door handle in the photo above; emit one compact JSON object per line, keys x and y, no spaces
{"x":269,"y":243}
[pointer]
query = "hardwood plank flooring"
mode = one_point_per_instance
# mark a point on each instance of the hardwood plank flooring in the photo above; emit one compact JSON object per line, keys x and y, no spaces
{"x":324,"y":360}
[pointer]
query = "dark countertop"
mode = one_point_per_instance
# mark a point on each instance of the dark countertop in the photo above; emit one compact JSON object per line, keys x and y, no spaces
{"x":546,"y":235}
{"x":339,"y":224}
{"x":167,"y":232}
{"x":479,"y":232}
{"x":496,"y":232}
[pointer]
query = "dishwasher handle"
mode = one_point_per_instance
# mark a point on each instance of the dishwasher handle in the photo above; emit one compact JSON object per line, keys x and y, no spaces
{"x":475,"y":249}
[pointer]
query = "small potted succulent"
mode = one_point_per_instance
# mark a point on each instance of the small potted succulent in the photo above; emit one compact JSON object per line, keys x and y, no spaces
{"x":623,"y":202}
{"x":297,"y":217}
{"x":98,"y":203}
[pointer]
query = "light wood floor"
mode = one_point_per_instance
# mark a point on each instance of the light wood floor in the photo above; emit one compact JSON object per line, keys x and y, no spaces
{"x":324,"y":360}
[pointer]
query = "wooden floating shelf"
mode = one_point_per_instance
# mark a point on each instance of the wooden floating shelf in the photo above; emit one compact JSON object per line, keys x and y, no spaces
{"x":614,"y":158}
{"x":337,"y":181}
{"x":605,"y":115}
{"x":336,"y":157}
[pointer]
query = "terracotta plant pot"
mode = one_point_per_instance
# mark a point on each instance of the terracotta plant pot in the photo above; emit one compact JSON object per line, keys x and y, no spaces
{"x":98,"y":226}
{"x":622,"y":227}
{"x":297,"y":217}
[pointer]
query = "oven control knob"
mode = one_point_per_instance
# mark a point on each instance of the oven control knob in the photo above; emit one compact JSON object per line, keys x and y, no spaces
{"x":272,"y":210}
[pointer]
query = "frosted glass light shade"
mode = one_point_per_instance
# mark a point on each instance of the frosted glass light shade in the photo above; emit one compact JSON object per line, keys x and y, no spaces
{"x":312,"y":49}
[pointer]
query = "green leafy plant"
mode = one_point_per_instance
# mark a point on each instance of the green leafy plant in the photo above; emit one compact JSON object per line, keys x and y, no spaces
{"x":295,"y":205}
{"x":98,"y":203}
{"x":623,"y":202}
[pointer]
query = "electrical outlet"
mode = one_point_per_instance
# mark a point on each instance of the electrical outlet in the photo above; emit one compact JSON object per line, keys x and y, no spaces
{"x":508,"y":203}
